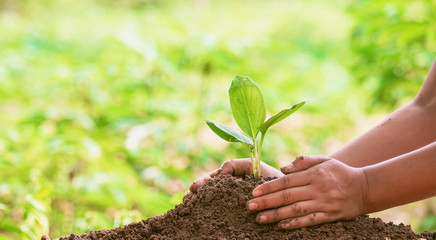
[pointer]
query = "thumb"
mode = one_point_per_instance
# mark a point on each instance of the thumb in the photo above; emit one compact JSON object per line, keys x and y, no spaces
{"x":234,"y":167}
{"x":302,"y":163}
{"x":199,"y":182}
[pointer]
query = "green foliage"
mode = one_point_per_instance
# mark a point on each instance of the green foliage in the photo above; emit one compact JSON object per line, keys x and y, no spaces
{"x":248,"y":108}
{"x":280,"y":117}
{"x":393,"y":46}
{"x":228,"y":133}
{"x":102,"y":102}
{"x":429,"y":223}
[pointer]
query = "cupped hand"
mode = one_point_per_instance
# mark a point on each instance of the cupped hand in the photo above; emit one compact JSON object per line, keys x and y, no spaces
{"x":236,"y":168}
{"x":315,"y":190}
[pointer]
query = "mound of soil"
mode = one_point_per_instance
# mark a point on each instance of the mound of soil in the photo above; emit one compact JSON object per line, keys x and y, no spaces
{"x":218,"y":211}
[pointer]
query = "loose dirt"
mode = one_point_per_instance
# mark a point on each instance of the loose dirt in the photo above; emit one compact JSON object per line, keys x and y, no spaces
{"x":218,"y":211}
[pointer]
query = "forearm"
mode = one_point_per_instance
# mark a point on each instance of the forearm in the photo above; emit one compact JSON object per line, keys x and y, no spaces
{"x":403,"y":179}
{"x":405,"y":130}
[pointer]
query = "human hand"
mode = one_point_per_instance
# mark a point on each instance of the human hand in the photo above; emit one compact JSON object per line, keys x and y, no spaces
{"x":315,"y":190}
{"x":236,"y":168}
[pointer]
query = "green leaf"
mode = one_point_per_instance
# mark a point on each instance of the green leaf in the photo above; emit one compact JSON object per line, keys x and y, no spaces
{"x":280,"y":116}
{"x":248,"y":107}
{"x":228,"y":133}
{"x":10,"y":228}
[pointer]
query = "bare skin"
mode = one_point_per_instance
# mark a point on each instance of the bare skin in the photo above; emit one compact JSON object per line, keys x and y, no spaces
{"x":315,"y":189}
{"x":390,"y":165}
{"x":236,"y":168}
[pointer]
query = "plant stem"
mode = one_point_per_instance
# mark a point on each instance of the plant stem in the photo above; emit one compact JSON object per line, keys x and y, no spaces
{"x":253,"y":161}
{"x":262,"y":136}
{"x":256,"y":165}
{"x":258,"y":157}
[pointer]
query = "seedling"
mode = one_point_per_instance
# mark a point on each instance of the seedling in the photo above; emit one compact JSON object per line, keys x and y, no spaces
{"x":248,"y":108}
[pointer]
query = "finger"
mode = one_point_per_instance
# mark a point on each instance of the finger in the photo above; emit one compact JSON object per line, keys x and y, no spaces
{"x":199,"y":182}
{"x":280,"y":198}
{"x":306,"y":221}
{"x":234,"y":167}
{"x":284,"y":182}
{"x":216,"y":172}
{"x":297,"y":209}
{"x":302,"y":163}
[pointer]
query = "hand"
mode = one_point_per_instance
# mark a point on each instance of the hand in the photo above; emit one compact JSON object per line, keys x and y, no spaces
{"x":315,"y":189}
{"x":236,"y":168}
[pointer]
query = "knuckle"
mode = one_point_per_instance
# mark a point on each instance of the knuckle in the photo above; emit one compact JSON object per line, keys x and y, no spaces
{"x":296,"y":209}
{"x":263,"y":203}
{"x":329,"y":218}
{"x":312,"y":218}
{"x":227,"y":163}
{"x":265,"y":188}
{"x":227,"y":167}
{"x":296,"y":223}
{"x":285,"y":182}
{"x":323,"y":188}
{"x":276,"y":215}
{"x":287,"y":196}
{"x":320,"y":172}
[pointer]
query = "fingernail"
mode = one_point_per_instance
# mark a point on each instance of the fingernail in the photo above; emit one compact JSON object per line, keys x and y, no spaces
{"x":252,"y":206}
{"x":287,"y":168}
{"x":192,"y":188}
{"x":299,"y":158}
{"x":216,"y":172}
{"x":285,"y":225}
{"x":262,"y":218}
{"x":257,"y":193}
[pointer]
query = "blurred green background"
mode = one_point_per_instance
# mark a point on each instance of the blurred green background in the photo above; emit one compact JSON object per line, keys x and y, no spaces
{"x":103,"y":103}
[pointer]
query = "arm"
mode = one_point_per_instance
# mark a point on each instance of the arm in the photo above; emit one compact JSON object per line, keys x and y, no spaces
{"x":405,"y":130}
{"x":403,"y":179}
{"x":319,"y":189}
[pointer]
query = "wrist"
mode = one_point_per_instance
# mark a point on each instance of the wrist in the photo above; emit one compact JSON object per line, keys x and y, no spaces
{"x":365,"y":192}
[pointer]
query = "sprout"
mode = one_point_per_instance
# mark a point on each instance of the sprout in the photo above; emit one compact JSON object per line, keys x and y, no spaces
{"x":248,"y":108}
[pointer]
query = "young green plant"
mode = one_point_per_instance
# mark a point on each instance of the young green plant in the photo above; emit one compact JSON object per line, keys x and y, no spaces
{"x":248,"y":108}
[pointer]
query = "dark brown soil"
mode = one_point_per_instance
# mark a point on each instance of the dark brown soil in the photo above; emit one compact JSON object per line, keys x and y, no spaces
{"x":218,"y":211}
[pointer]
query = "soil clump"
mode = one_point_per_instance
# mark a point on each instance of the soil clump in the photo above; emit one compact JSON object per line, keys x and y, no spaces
{"x":218,"y":212}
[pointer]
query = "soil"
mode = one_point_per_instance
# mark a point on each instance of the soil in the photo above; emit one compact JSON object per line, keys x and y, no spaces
{"x":218,"y":211}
